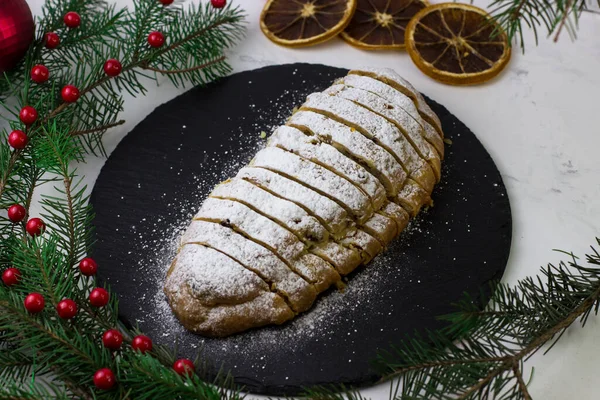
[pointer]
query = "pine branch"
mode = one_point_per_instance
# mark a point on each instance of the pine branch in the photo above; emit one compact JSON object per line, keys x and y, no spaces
{"x":492,"y":344}
{"x":553,"y":15}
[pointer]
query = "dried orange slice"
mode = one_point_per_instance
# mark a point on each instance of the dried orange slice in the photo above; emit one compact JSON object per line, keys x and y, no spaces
{"x":458,"y":44}
{"x":380,"y":24}
{"x":296,"y":23}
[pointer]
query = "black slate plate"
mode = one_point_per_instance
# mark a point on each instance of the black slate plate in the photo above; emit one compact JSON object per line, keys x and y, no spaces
{"x":158,"y":175}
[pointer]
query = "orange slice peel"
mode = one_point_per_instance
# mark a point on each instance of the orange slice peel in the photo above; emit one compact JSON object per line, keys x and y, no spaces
{"x":457,"y":44}
{"x":297,"y":23}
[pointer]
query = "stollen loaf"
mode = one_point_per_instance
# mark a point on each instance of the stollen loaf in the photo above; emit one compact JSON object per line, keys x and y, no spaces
{"x":329,"y":192}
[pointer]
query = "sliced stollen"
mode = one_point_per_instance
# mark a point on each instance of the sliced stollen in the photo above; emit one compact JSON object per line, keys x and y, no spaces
{"x":330,"y":191}
{"x":354,"y":145}
{"x":213,"y":294}
{"x":299,"y":293}
{"x":272,"y":235}
{"x":319,"y":179}
{"x":290,"y":216}
{"x":286,"y":212}
{"x":399,"y":99}
{"x":390,"y":77}
{"x":321,"y":207}
{"x":366,"y":152}
{"x":295,"y":141}
{"x":375,"y":128}
{"x":331,"y":214}
{"x":407,"y":125}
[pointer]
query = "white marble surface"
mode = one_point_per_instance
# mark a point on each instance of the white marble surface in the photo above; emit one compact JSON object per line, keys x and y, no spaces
{"x":541,"y":123}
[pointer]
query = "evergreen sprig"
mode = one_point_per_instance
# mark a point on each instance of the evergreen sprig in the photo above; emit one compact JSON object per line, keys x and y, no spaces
{"x":555,"y":16}
{"x":42,"y":355}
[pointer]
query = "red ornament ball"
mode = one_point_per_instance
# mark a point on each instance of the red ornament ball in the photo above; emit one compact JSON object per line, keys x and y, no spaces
{"x":184,"y":367}
{"x":16,"y":32}
{"x":35,"y":227}
{"x":70,"y":94}
{"x":166,"y":2}
{"x":112,"y":339}
{"x":34,"y":303}
{"x":51,"y":40}
{"x":28,"y":115}
{"x":11,"y":276}
{"x":16,"y":213}
{"x":98,"y":297}
{"x":66,"y":309}
{"x":39,"y":73}
{"x":156,"y":39}
{"x":17,"y":139}
{"x":142,"y":343}
{"x":72,"y":19}
{"x":112,"y":67}
{"x":104,"y":379}
{"x":88,"y":266}
{"x":218,"y":3}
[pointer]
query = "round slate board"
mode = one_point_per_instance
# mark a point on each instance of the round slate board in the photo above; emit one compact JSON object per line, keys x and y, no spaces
{"x":157,"y":177}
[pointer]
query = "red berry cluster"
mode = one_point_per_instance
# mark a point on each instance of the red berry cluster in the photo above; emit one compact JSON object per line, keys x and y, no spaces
{"x":40,"y":74}
{"x":34,"y":303}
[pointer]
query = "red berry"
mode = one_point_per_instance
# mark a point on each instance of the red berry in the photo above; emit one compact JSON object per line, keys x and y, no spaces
{"x":142,"y":343}
{"x":112,"y":339}
{"x":52,"y":40}
{"x":35,"y":227}
{"x":11,"y":276}
{"x":16,"y":213}
{"x":112,"y":67}
{"x":66,"y":309}
{"x":88,"y":266}
{"x":184,"y":367}
{"x":39,"y":73}
{"x":34,"y":303}
{"x":156,"y":39}
{"x":98,"y":297}
{"x":166,"y":2}
{"x":104,"y":379}
{"x":69,"y":93}
{"x":218,"y":3}
{"x":17,"y":139}
{"x":72,"y":19}
{"x":28,"y":115}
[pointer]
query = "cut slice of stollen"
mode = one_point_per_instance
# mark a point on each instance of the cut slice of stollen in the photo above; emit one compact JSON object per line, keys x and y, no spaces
{"x":299,"y":293}
{"x":368,"y":245}
{"x":354,"y":145}
{"x":331,"y":214}
{"x":286,"y":212}
{"x":321,"y":274}
{"x":366,"y":152}
{"x":406,"y":124}
{"x":269,"y":234}
{"x":316,"y":178}
{"x":375,"y":128}
{"x":398,"y":98}
{"x":211,"y":293}
{"x":381,"y":227}
{"x":391,"y":77}
{"x":295,"y":141}
{"x":397,"y":214}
